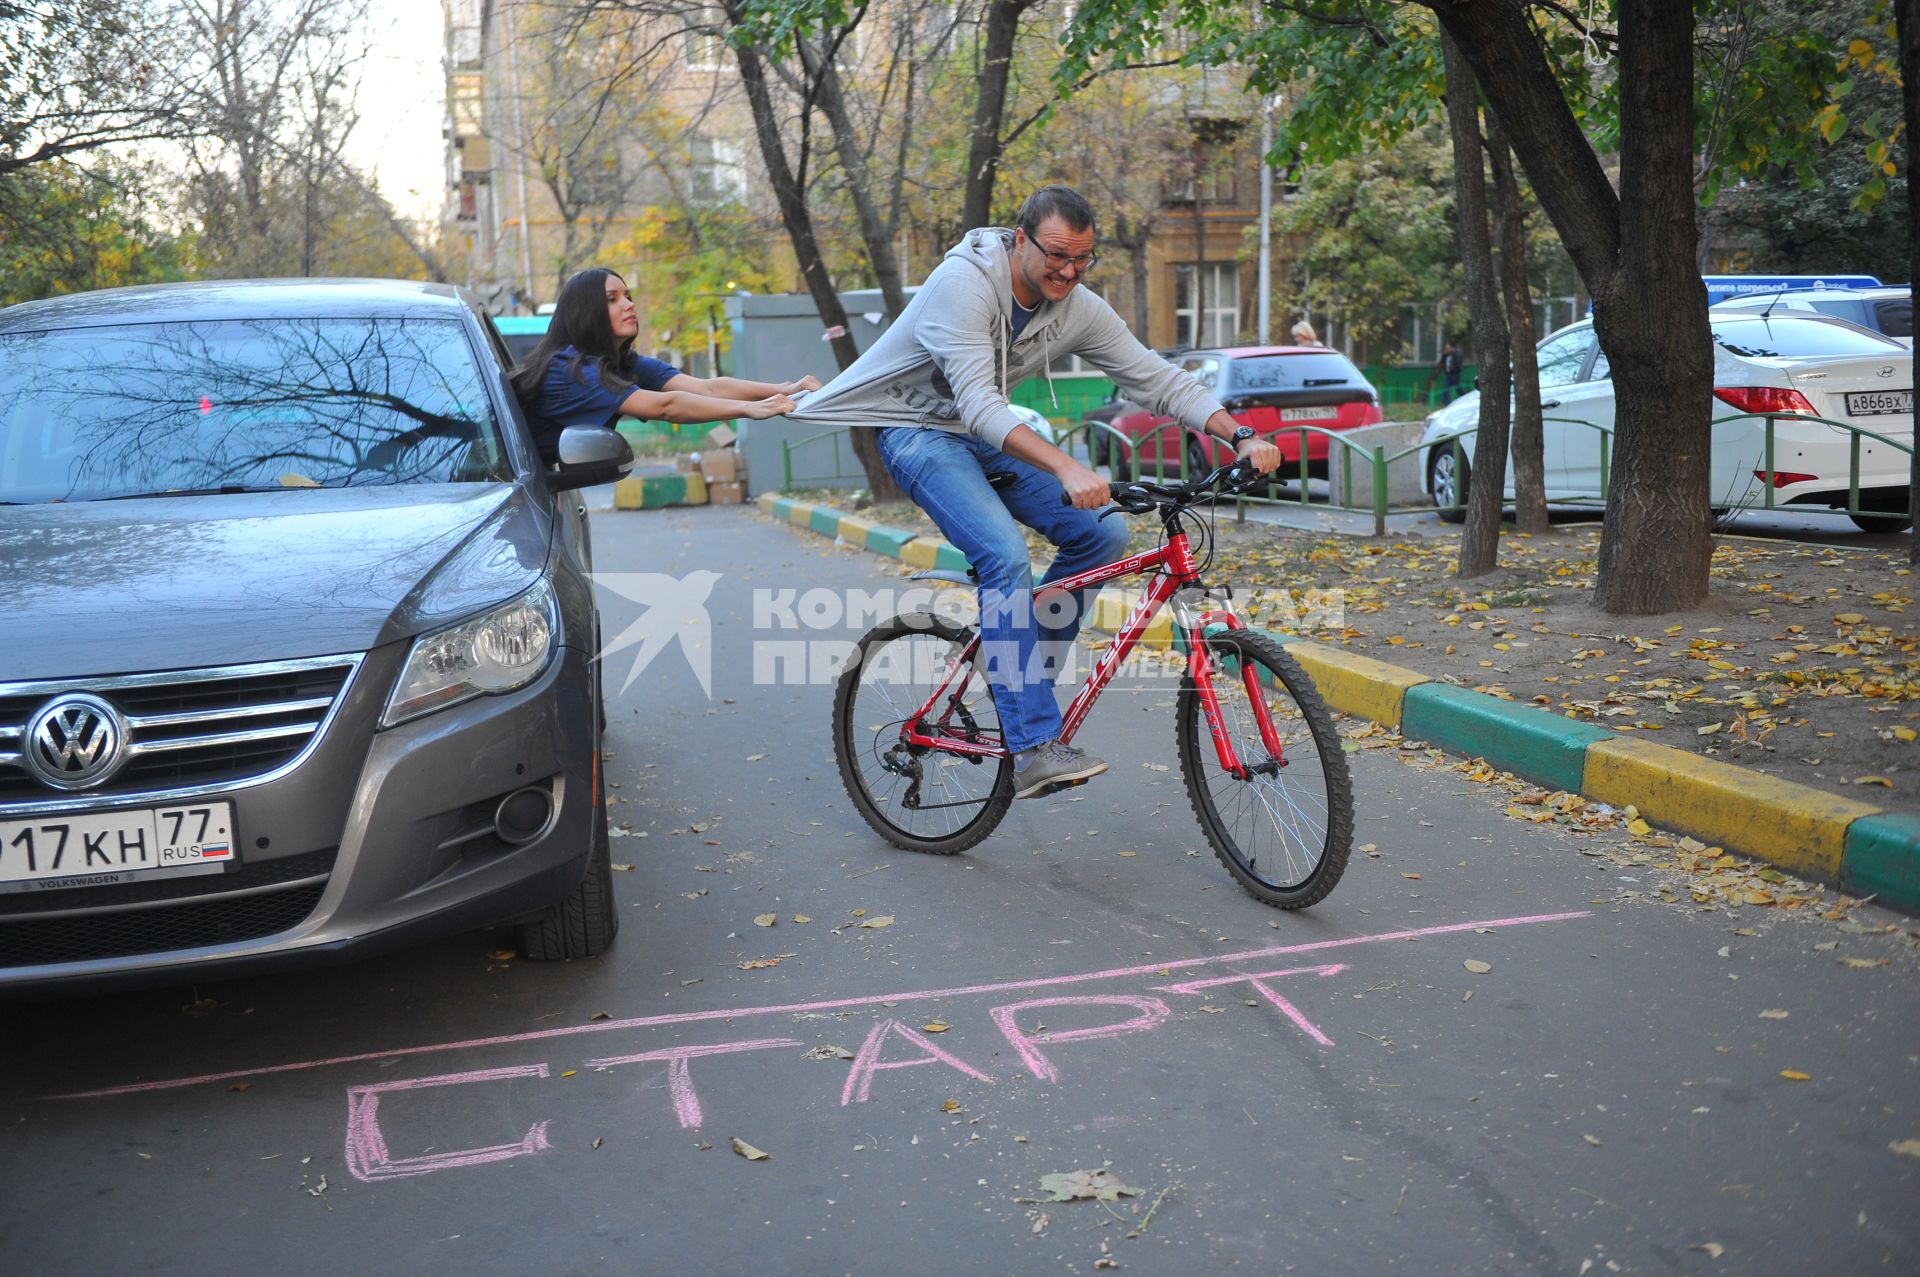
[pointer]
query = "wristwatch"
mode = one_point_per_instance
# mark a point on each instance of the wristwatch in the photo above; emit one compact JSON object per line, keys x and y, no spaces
{"x":1244,"y":432}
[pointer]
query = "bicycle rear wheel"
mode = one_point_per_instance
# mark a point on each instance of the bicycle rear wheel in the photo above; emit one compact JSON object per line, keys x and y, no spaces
{"x":918,"y":798}
{"x":1285,"y":829}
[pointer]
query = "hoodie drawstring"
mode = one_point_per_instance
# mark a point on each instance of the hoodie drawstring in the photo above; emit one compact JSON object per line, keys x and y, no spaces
{"x":1046,"y":367}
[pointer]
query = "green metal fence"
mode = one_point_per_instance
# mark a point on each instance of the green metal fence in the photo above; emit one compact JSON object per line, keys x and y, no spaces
{"x":1764,"y":477}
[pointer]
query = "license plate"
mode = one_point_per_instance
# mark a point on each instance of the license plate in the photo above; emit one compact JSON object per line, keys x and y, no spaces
{"x":91,"y":849}
{"x":1877,"y":403}
{"x":1309,"y":414}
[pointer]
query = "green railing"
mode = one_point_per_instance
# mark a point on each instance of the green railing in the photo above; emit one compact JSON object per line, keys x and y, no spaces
{"x":1764,"y":475}
{"x":1097,"y":444}
{"x":1106,"y":445}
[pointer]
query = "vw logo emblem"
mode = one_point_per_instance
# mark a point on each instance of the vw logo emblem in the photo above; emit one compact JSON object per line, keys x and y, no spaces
{"x":75,"y":742}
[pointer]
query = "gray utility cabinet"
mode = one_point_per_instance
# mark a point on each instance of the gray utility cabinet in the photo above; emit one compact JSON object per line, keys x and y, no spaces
{"x":777,"y":338}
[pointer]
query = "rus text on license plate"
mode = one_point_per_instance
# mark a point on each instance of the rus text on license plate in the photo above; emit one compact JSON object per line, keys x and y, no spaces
{"x":1875,"y":403}
{"x":86,"y":849}
{"x":1327,"y":413}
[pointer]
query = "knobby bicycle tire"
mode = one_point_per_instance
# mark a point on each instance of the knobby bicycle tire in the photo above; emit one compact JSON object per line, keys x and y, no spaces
{"x":858,"y":746}
{"x":1286,"y":807}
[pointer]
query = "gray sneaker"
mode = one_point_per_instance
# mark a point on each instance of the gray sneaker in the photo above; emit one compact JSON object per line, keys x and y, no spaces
{"x":1052,"y":766}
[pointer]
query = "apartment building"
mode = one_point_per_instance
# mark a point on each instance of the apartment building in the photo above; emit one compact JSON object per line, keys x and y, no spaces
{"x":569,"y":146}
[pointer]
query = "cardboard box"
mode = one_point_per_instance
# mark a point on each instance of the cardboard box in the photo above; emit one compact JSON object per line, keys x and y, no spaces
{"x":721,"y":437}
{"x":726,"y":493}
{"x":687,"y":462}
{"x":721,"y":465}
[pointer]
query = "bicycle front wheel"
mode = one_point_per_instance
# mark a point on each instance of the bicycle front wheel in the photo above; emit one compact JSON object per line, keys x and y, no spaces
{"x":1283,"y":828}
{"x":917,"y":797}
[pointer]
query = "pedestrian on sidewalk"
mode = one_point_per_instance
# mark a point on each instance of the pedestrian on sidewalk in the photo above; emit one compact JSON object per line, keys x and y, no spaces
{"x":1003,"y":305}
{"x":1448,"y":368}
{"x":1303,"y":335}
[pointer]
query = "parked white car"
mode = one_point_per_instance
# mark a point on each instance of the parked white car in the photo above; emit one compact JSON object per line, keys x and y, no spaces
{"x":1796,"y":365}
{"x":1887,"y":311}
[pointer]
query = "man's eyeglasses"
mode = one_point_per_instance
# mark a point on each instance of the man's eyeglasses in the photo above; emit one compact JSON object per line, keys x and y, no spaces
{"x":1060,"y":261}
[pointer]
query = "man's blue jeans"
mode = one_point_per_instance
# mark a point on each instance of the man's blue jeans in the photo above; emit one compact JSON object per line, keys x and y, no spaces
{"x":946,"y":475}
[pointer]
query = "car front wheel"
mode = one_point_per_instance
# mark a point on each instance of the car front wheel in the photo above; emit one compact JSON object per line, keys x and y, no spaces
{"x":583,"y":924}
{"x":1448,"y":487}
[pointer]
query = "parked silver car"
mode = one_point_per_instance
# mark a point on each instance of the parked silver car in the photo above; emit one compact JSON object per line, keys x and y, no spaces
{"x":297,"y":654}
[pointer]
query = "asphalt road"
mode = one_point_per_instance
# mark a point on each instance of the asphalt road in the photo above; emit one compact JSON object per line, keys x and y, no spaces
{"x":1609,"y":1096}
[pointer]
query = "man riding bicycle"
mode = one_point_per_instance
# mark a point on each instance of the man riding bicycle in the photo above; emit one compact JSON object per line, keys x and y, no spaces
{"x":1002,"y":306}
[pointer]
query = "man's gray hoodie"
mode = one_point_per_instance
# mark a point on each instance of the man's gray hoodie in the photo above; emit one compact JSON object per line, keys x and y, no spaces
{"x":951,"y":358}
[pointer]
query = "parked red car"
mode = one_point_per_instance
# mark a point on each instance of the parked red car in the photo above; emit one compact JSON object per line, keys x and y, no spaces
{"x":1272,"y":389}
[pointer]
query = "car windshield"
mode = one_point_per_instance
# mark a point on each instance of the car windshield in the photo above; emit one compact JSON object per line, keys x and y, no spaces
{"x":1289,"y":372}
{"x":151,"y":409}
{"x":1783,"y":336}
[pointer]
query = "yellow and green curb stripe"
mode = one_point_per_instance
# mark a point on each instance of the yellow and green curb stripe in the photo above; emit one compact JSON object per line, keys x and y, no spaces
{"x":651,"y":491}
{"x":1863,"y":849}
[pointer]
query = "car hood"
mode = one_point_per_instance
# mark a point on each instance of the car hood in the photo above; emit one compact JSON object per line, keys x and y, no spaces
{"x":115,"y":587}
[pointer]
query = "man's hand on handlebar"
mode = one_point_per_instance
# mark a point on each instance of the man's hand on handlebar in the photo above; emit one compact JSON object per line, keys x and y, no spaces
{"x":1260,"y":454}
{"x":1084,"y":489}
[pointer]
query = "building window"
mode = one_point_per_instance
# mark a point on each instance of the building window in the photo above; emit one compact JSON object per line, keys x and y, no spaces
{"x":1221,"y":322}
{"x":706,"y":42}
{"x":719,"y":171}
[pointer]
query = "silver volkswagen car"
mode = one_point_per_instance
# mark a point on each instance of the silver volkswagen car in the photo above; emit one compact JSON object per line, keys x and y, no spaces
{"x":296,"y":636}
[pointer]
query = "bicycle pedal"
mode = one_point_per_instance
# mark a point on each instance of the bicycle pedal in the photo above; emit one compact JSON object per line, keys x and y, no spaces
{"x":1062,"y":785}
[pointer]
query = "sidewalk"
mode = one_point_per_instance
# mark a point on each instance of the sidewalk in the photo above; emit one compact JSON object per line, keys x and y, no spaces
{"x":1585,"y":772}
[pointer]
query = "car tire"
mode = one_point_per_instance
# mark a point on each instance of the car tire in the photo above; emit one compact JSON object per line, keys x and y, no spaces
{"x":1097,"y":447}
{"x":584,"y":924}
{"x":1440,"y":482}
{"x":1122,"y":465}
{"x":1197,"y":461}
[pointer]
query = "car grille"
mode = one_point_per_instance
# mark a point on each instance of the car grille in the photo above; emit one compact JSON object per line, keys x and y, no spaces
{"x":34,"y":942}
{"x":192,"y":729}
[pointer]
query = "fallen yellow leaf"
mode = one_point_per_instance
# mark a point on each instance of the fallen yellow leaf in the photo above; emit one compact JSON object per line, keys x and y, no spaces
{"x":1882,"y":781}
{"x":748,"y":1151}
{"x":1795,"y":1075}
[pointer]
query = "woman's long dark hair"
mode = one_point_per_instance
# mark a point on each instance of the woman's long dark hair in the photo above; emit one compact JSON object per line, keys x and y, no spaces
{"x":579,"y":320}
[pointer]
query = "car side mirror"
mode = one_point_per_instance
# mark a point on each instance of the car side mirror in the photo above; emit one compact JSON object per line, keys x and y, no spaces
{"x":589,"y":455}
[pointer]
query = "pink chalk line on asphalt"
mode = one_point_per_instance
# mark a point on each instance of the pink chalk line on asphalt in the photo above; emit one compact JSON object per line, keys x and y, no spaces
{"x":830,"y":1004}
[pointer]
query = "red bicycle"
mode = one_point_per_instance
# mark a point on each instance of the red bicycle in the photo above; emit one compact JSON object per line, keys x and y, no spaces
{"x":920,"y":749}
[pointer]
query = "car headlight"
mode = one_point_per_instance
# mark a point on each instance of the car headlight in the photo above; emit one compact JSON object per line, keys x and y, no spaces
{"x":496,"y":652}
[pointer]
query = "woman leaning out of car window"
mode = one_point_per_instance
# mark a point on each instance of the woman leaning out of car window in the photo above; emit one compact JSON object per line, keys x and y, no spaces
{"x":584,"y":371}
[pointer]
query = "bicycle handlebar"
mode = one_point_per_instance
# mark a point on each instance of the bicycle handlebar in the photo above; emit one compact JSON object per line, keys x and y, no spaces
{"x":1141,"y":497}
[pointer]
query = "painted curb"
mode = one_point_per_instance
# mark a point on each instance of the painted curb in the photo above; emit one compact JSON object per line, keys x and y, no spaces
{"x":1863,"y":849}
{"x":651,"y":491}
{"x":1542,"y":747}
{"x":1883,"y":857}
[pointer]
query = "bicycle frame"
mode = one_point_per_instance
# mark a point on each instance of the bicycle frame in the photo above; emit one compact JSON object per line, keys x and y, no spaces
{"x":1173,"y":569}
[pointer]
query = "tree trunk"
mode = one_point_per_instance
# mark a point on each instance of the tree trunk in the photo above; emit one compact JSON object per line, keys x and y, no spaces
{"x":806,"y":251}
{"x":1480,"y":539}
{"x":1635,"y":253}
{"x":874,"y":232}
{"x":1907,"y":14}
{"x":989,"y":112}
{"x":1652,"y":323}
{"x":1529,"y":444}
